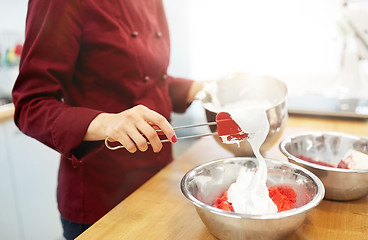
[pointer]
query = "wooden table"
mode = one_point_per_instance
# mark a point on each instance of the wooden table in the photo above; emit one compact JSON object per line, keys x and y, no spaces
{"x":6,"y":112}
{"x":158,"y":209}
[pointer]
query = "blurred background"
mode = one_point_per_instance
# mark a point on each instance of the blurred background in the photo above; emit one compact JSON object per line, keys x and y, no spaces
{"x":311,"y":45}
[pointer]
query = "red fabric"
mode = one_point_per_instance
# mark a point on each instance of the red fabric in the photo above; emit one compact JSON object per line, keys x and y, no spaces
{"x":81,"y":58}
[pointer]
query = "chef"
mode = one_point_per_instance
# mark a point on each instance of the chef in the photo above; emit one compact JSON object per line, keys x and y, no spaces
{"x":93,"y":69}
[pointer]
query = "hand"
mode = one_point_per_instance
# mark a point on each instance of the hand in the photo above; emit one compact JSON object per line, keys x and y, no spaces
{"x":132,"y":128}
{"x":194,"y":89}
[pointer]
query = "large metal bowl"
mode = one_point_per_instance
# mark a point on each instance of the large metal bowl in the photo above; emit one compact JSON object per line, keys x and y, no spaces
{"x":330,"y":147}
{"x":203,"y":184}
{"x":239,"y":87}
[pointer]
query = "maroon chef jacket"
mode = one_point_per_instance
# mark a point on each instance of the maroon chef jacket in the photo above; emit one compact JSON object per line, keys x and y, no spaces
{"x":84,"y":57}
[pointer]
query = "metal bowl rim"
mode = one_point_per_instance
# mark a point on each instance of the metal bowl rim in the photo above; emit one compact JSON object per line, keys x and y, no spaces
{"x":284,"y":99}
{"x":287,"y":140}
{"x":313,"y":203}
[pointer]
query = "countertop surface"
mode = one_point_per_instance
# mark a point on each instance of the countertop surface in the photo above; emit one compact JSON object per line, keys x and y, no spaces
{"x":158,"y":209}
{"x":6,"y":112}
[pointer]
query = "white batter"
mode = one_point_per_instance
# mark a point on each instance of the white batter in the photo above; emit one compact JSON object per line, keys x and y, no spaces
{"x":249,"y":194}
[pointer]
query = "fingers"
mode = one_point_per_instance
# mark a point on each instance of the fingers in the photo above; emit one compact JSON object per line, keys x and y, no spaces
{"x":134,"y":127}
{"x":152,"y":136}
{"x":127,"y":142}
{"x":155,"y":119}
{"x":159,"y":122}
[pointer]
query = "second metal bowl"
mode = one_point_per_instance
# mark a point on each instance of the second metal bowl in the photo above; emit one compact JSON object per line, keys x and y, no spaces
{"x":340,"y":184}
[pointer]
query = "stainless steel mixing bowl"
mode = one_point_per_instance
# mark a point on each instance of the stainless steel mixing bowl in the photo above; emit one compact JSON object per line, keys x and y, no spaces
{"x":239,"y":87}
{"x":330,"y":147}
{"x":203,"y":184}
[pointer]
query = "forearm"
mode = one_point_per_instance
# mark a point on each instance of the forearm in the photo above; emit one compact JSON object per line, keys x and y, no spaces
{"x":183,"y":92}
{"x":194,"y":89}
{"x":95,"y":130}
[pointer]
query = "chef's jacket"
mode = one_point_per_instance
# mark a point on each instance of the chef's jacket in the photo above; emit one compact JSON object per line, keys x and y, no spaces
{"x":84,"y":57}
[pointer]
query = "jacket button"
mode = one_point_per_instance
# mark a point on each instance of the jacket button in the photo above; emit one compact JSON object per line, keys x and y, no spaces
{"x":163,"y":77}
{"x":146,"y":79}
{"x":158,"y":34}
{"x":134,"y":34}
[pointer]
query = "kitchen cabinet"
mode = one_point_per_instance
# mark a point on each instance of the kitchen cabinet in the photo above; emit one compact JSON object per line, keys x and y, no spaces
{"x":28,"y":176}
{"x":9,"y":222}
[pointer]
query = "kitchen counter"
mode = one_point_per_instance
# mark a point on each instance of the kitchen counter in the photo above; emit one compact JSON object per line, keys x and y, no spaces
{"x":158,"y":209}
{"x":6,"y":112}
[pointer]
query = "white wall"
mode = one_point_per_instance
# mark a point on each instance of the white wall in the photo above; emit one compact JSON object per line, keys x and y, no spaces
{"x":12,"y":25}
{"x":294,"y":40}
{"x":263,"y":36}
{"x":211,"y":38}
{"x":13,"y":15}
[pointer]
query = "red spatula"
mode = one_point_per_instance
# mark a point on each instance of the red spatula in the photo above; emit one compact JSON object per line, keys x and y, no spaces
{"x":228,"y":130}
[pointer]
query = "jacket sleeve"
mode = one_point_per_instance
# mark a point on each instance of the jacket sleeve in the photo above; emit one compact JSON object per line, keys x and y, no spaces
{"x":178,"y":90}
{"x":52,"y":42}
